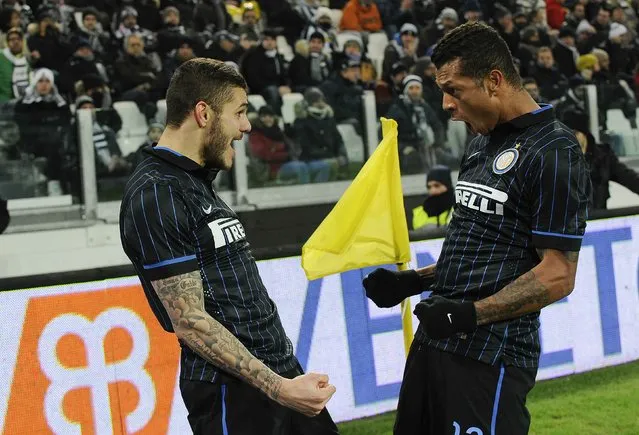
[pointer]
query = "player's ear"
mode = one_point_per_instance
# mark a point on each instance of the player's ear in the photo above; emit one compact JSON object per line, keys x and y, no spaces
{"x":201,"y":114}
{"x":494,"y":80}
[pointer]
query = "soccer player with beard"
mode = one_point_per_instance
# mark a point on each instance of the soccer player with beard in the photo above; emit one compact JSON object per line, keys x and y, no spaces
{"x":238,"y":372}
{"x":510,"y":250}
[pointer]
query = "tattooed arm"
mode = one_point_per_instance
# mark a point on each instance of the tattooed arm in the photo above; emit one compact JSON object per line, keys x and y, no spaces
{"x":183,"y":299}
{"x":552,"y":279}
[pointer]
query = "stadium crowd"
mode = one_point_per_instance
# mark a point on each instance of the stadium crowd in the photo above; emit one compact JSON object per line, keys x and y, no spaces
{"x":310,"y":61}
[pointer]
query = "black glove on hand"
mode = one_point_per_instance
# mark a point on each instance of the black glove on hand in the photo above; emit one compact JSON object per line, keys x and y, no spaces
{"x":387,"y":288}
{"x":443,"y":317}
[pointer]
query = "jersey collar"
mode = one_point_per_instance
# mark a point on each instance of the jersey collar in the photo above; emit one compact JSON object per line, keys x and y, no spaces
{"x":181,"y":161}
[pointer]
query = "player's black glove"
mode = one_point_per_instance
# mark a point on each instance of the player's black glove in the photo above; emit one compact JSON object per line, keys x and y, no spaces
{"x":388,"y":288}
{"x":443,"y":317}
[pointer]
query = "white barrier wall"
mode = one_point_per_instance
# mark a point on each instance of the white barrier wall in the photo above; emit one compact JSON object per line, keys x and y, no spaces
{"x":90,"y":358}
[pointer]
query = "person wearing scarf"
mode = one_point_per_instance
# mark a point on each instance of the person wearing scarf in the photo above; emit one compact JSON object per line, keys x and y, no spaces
{"x":437,"y":209}
{"x":14,"y":68}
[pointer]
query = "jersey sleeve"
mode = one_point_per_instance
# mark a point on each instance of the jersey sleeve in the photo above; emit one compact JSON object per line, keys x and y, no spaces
{"x":560,"y":194}
{"x":157,"y":230}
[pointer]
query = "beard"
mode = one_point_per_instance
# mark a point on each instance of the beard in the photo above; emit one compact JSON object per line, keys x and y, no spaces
{"x":215,"y":144}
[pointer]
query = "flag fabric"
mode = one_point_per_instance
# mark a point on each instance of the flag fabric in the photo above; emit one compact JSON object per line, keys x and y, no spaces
{"x":367,"y":226}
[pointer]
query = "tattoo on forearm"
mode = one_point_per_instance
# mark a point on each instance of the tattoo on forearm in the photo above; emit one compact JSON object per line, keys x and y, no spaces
{"x":183,"y":299}
{"x":524,"y":295}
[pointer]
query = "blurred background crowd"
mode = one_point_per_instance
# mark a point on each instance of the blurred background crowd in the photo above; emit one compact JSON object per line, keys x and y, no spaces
{"x":308,"y":63}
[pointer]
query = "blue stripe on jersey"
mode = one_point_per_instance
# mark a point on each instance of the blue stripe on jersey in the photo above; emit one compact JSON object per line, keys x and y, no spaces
{"x":493,"y":420}
{"x":171,"y":261}
{"x":569,"y":236}
{"x":225,"y":429}
{"x":169,"y":150}
{"x":542,"y":107}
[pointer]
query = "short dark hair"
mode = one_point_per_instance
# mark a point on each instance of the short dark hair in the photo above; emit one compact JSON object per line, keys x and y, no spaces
{"x":528,"y":81}
{"x":197,"y":80}
{"x":479,"y":49}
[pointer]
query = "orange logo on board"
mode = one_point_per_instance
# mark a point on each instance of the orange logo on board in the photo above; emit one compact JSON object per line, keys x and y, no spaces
{"x":94,"y":362}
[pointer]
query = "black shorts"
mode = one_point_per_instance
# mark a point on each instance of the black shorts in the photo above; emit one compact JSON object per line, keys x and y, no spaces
{"x":444,"y":393}
{"x":230,"y":406}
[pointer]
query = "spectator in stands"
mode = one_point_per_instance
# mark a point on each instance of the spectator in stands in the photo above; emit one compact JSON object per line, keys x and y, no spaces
{"x":173,"y":33}
{"x":353,"y":49}
{"x":361,"y":16}
{"x":404,"y":50}
{"x":153,"y":134}
{"x":447,"y":20}
{"x":588,"y":65}
{"x":386,"y":95}
{"x":585,"y":37}
{"x":90,"y":30}
{"x":343,"y":93}
{"x":604,"y":164}
{"x":472,"y":11}
{"x":530,"y":85}
{"x":565,"y":52}
{"x":432,"y":94}
{"x":555,"y":13}
{"x":9,"y":19}
{"x":210,"y":16}
{"x":437,"y":209}
{"x":250,"y":21}
{"x":316,"y":131}
{"x":109,"y":159}
{"x":323,"y":23}
{"x":43,"y":117}
{"x":94,"y":86}
{"x":307,"y":10}
{"x":310,"y":66}
{"x":553,"y":84}
{"x":622,"y":50}
{"x":136,"y":76}
{"x":81,"y":64}
{"x":14,"y":68}
{"x":129,"y":26}
{"x":272,"y":147}
{"x":601,"y":23}
{"x":577,"y":15}
{"x":506,"y":27}
{"x":265,"y":71}
{"x":183,"y":52}
{"x":419,"y":130}
{"x":224,"y":46}
{"x":48,"y":48}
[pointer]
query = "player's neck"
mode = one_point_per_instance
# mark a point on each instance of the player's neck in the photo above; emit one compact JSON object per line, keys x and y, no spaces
{"x":517,"y":104}
{"x":182,"y":141}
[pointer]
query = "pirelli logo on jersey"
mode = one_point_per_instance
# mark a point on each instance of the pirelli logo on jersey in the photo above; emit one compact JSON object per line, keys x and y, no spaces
{"x":481,"y":198}
{"x":226,"y":231}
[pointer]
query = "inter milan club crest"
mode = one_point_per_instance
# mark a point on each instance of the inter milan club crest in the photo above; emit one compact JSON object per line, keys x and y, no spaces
{"x":505,"y":160}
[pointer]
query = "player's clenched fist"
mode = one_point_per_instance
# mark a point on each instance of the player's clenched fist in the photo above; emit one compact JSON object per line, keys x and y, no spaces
{"x":388,"y":288}
{"x":307,"y":393}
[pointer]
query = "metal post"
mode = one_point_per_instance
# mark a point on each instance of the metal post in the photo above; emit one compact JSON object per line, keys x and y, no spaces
{"x":370,"y":119}
{"x":240,"y":170}
{"x":593,"y":110}
{"x":87,"y":163}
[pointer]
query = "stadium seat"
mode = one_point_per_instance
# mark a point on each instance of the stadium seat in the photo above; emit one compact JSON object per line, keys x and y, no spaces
{"x":377,"y":43}
{"x":160,"y":116}
{"x":284,"y":49}
{"x":617,"y":123}
{"x":336,"y":16}
{"x":353,"y":142}
{"x":133,"y":121}
{"x":288,"y":106}
{"x":345,"y":36}
{"x":257,"y":101}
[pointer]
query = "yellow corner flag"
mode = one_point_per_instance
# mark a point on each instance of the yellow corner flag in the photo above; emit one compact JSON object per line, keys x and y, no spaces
{"x":367,"y":226}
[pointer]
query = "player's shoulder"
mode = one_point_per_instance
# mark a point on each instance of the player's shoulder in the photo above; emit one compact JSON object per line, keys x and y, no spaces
{"x":551,"y":136}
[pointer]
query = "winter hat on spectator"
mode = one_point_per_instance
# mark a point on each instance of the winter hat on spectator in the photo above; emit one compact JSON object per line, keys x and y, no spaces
{"x":90,"y":11}
{"x":45,"y":12}
{"x":585,"y":26}
{"x":398,"y":67}
{"x":225,"y":35}
{"x":312,"y":95}
{"x":442,"y":174}
{"x":266,"y":110}
{"x":349,"y":63}
{"x":15,"y":31}
{"x":409,"y":80}
{"x":449,"y":13}
{"x":83,"y":99}
{"x":92,"y":81}
{"x":501,"y":11}
{"x":617,"y":30}
{"x":408,"y":28}
{"x":128,"y":11}
{"x":270,"y":33}
{"x":44,"y":73}
{"x":472,"y":6}
{"x":167,"y":10}
{"x":354,"y":40}
{"x":82,"y":43}
{"x":587,"y":61}
{"x":422,"y":63}
{"x":322,"y":12}
{"x":566,"y":31}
